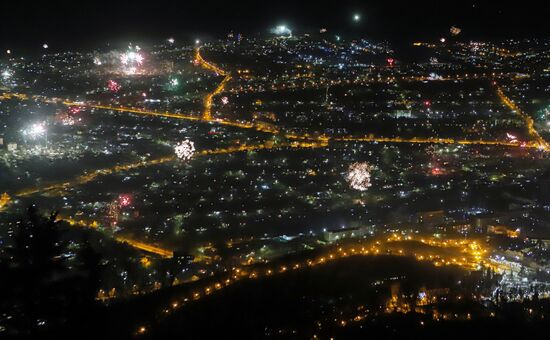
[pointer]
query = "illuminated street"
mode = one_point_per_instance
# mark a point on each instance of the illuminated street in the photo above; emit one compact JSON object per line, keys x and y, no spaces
{"x":289,"y":170}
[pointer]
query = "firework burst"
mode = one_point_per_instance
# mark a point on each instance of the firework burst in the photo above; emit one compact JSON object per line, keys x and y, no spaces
{"x":131,"y":60}
{"x":358,"y":176}
{"x":185,"y":149}
{"x":113,"y":86}
{"x":124,"y":200}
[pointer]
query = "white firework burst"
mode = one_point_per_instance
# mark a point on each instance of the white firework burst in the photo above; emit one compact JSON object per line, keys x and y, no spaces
{"x":185,"y":150}
{"x":358,"y":176}
{"x":131,"y":57}
{"x":131,"y":60}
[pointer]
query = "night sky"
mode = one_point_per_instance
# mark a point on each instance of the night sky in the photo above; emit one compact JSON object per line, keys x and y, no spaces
{"x":25,"y":25}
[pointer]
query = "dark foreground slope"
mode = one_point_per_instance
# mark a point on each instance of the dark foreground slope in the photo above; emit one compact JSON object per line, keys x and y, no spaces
{"x":352,"y":298}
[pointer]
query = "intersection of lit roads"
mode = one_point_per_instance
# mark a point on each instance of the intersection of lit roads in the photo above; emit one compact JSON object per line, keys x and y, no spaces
{"x":294,"y":140}
{"x":469,"y":254}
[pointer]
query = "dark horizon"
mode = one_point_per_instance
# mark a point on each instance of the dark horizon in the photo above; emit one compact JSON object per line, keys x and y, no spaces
{"x":66,"y":24}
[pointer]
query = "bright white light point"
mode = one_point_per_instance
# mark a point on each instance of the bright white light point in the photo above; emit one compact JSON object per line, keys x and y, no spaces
{"x":171,"y":40}
{"x":197,"y":41}
{"x":8,"y":51}
{"x":442,"y":40}
{"x":359,"y":176}
{"x":45,"y":46}
{"x":185,"y":149}
{"x":356,"y":17}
